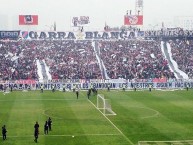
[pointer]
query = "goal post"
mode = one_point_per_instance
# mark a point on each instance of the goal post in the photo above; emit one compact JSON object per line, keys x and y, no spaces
{"x":100,"y":101}
{"x":104,"y":105}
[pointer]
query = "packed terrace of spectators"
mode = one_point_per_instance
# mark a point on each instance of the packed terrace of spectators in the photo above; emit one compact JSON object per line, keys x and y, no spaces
{"x":65,"y":59}
{"x":182,"y":53}
{"x":134,"y":59}
{"x":71,"y":59}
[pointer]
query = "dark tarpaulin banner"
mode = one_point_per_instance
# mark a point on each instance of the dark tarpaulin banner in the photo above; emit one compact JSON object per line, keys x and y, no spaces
{"x":9,"y":34}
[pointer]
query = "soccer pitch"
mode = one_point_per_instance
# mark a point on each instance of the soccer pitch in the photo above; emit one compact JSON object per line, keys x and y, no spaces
{"x":141,"y":116}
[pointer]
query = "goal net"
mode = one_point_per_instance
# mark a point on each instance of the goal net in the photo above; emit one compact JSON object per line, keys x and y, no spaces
{"x":104,"y":105}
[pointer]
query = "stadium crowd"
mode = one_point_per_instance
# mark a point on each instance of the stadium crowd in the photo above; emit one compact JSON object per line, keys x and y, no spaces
{"x":72,"y":59}
{"x":65,"y":59}
{"x":134,"y":59}
{"x":182,"y":53}
{"x":17,"y":61}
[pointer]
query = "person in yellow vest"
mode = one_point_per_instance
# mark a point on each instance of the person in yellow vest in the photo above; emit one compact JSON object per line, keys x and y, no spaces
{"x":74,"y":87}
{"x":53,"y":88}
{"x":150,"y":86}
{"x":91,"y":86}
{"x":42,"y":88}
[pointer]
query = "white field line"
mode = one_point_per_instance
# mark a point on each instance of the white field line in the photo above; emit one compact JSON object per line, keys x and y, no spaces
{"x":40,"y":100}
{"x":149,"y":116}
{"x":63,"y":135}
{"x":114,"y":125}
{"x":175,"y":141}
{"x":166,"y":90}
{"x":154,"y":115}
{"x":43,"y":112}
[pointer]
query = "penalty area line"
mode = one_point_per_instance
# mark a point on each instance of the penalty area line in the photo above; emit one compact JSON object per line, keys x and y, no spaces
{"x":40,"y":100}
{"x":174,"y":141}
{"x":63,"y":135}
{"x":114,"y":125}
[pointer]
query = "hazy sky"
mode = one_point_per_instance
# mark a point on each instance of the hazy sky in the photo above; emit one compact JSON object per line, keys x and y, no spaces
{"x":99,"y":11}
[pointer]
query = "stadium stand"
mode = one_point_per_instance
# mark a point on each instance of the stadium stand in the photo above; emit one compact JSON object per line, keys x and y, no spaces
{"x":182,"y":53}
{"x":86,"y":59}
{"x":134,"y":59}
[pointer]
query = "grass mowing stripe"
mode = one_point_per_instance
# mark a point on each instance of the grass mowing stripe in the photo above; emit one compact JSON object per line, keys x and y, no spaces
{"x":114,"y":125}
{"x":58,"y":121}
{"x":137,"y":117}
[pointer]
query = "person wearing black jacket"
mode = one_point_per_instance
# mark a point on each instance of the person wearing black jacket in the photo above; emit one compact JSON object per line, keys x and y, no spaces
{"x":4,"y":131}
{"x":88,"y":93}
{"x":46,"y":127}
{"x":49,"y":124}
{"x":53,"y":88}
{"x":64,"y":87}
{"x":77,"y":93}
{"x":36,"y":132}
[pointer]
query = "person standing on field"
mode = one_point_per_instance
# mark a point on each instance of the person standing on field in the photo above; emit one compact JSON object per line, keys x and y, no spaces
{"x":49,"y":124}
{"x":88,"y":93}
{"x":73,"y":87}
{"x":42,"y":88}
{"x":46,"y":127}
{"x":53,"y":88}
{"x":77,"y":93}
{"x":187,"y":86}
{"x":64,"y":87}
{"x":124,"y":86}
{"x":4,"y":132}
{"x":150,"y":86}
{"x":108,"y":86}
{"x":36,"y":131}
{"x":135,"y":89}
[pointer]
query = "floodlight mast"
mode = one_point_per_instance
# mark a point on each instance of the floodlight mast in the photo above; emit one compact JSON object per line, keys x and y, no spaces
{"x":138,"y":7}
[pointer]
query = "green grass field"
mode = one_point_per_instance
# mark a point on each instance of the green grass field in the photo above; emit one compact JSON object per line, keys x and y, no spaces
{"x":141,"y":116}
